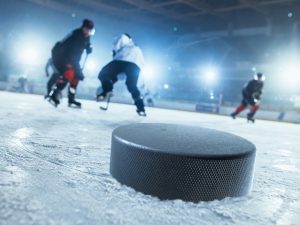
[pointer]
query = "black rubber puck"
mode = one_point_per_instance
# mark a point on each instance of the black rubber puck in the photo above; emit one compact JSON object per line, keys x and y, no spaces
{"x":182,"y":162}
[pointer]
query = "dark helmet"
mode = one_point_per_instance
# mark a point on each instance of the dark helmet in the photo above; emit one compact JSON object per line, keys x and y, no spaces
{"x":88,"y":24}
{"x":259,"y":75}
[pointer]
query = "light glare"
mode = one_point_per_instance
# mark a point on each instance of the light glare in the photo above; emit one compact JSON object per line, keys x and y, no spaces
{"x":210,"y":74}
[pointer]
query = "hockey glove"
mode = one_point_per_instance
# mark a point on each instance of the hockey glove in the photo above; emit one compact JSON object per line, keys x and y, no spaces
{"x":257,"y":96}
{"x":89,"y":49}
{"x":80,"y":76}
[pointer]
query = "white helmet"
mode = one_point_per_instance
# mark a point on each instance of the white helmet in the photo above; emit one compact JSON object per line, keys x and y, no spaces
{"x":122,"y":40}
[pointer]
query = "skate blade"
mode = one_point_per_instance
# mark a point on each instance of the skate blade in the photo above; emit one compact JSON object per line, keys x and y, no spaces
{"x":250,"y":120}
{"x":142,"y":114}
{"x":74,"y":106}
{"x":52,"y":103}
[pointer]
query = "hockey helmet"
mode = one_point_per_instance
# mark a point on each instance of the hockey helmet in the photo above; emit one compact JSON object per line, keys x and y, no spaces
{"x":259,"y":76}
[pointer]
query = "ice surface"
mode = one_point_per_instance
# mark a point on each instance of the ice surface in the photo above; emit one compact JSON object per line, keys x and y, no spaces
{"x":54,"y":168}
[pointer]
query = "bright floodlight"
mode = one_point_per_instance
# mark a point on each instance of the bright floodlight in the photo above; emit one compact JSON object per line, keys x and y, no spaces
{"x":29,"y":55}
{"x":289,"y":74}
{"x":91,"y":65}
{"x":286,"y":73}
{"x":166,"y":86}
{"x":148,"y":72}
{"x":292,"y":75}
{"x":210,"y":74}
{"x":291,"y":70}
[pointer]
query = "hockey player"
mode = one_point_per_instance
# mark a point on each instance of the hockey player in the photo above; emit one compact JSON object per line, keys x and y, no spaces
{"x":66,"y":56}
{"x":128,"y":59}
{"x":53,"y":77}
{"x":251,"y":92}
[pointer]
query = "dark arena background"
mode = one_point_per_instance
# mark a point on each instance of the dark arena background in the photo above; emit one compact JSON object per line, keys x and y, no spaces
{"x":198,"y":57}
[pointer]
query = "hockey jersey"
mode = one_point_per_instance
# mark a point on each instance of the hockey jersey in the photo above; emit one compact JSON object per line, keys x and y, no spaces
{"x":124,"y":49}
{"x":70,"y":49}
{"x":253,"y":87}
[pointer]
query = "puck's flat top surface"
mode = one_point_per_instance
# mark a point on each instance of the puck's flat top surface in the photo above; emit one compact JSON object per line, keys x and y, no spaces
{"x":183,"y":140}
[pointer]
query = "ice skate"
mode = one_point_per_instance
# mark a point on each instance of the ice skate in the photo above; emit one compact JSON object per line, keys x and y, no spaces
{"x":73,"y":103}
{"x":233,"y":115}
{"x":71,"y":99}
{"x":53,"y":101}
{"x":250,"y":119}
{"x":141,"y":112}
{"x":52,"y":97}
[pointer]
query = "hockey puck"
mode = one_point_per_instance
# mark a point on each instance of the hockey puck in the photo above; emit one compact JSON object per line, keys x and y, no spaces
{"x":182,"y":162}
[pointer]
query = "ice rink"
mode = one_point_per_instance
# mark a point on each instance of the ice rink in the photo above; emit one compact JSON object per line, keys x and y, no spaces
{"x":54,"y":168}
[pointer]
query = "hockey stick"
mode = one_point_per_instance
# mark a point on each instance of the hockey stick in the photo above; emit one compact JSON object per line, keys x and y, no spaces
{"x":107,"y":102}
{"x":84,"y":62}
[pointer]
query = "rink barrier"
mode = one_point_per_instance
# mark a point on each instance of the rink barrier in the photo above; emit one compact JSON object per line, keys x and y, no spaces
{"x":182,"y":162}
{"x":281,"y":116}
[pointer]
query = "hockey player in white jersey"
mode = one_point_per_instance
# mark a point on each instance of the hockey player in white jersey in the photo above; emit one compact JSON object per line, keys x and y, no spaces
{"x":127,"y":58}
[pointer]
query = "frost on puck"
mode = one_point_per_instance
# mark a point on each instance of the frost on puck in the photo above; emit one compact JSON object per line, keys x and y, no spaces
{"x":182,"y":162}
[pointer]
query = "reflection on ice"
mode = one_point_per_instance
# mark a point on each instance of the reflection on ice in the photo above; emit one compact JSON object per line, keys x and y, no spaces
{"x":22,"y":133}
{"x":13,"y":175}
{"x":284,"y":152}
{"x":54,"y":169}
{"x":290,"y":168}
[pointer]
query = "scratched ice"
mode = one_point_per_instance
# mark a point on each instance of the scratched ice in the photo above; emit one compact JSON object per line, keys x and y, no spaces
{"x":54,"y":168}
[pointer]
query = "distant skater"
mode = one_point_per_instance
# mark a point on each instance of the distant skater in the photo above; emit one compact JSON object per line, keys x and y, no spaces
{"x":252,"y":93}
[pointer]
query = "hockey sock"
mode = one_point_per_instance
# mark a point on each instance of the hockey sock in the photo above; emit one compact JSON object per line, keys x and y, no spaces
{"x":254,"y":108}
{"x":239,"y":109}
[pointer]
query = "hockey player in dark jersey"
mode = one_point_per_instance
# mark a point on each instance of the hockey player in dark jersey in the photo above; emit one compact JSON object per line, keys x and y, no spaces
{"x":251,"y":92}
{"x":66,"y":56}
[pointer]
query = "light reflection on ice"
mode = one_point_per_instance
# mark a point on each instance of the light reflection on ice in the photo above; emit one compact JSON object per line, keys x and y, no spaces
{"x":70,"y":167}
{"x":291,"y":168}
{"x":22,"y":133}
{"x":284,"y":152}
{"x":16,"y":175}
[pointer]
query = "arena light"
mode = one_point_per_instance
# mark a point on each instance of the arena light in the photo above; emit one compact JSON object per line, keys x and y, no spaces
{"x":29,"y":55}
{"x":292,"y":71}
{"x":148,"y":72}
{"x":210,"y":74}
{"x":291,"y":74}
{"x":91,"y":66}
{"x":285,"y":75}
{"x":212,"y":96}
